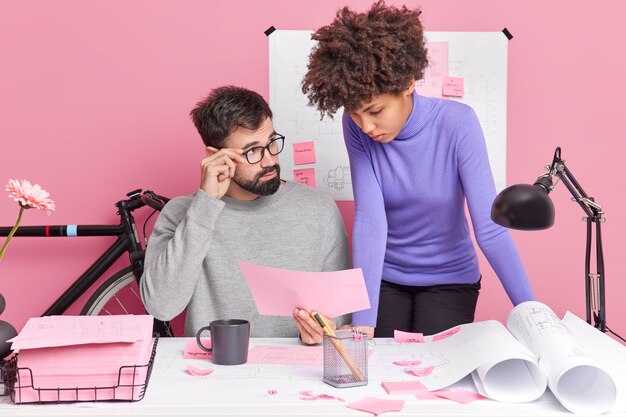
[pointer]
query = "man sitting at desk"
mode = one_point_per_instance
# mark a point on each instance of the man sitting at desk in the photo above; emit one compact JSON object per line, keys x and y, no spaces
{"x":242,"y":212}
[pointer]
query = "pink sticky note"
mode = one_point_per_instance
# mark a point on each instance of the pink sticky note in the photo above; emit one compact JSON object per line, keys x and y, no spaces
{"x":437,"y":68}
{"x":309,"y":396}
{"x":446,"y":334}
{"x":420,"y":371}
{"x":278,"y":292}
{"x":426,"y":395}
{"x":377,"y":406}
{"x":304,"y":153}
{"x":403,"y":387}
{"x":453,"y":87}
{"x":193,"y":351}
{"x":407,"y":337}
{"x":407,"y":363}
{"x":305,"y":176}
{"x":460,"y":395}
{"x":193,"y":371}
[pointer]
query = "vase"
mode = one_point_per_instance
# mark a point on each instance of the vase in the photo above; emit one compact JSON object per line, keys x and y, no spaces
{"x":6,"y":332}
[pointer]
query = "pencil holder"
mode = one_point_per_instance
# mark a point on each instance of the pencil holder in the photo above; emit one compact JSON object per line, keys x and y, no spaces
{"x":345,"y":359}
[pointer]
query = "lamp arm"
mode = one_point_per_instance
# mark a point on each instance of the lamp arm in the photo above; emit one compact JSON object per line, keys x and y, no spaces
{"x":594,"y":282}
{"x":578,"y":193}
{"x":592,"y":209}
{"x":598,"y":293}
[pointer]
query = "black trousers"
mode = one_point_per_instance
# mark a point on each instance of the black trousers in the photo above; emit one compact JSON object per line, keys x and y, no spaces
{"x":426,"y":310}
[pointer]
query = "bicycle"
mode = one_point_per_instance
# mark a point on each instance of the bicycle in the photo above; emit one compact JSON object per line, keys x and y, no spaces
{"x":116,"y":293}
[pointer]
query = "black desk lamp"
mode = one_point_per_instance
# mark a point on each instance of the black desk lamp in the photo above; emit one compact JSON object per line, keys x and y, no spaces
{"x":528,"y":207}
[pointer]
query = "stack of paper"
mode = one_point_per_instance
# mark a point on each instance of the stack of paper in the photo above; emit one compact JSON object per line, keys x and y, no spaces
{"x":84,"y":356}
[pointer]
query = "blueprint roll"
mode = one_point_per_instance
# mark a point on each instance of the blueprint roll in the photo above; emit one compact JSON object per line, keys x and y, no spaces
{"x":514,"y":380}
{"x":512,"y":372}
{"x":575,"y":377}
{"x":577,"y":380}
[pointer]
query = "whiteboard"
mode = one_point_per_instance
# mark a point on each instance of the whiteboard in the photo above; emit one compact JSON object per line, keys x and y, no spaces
{"x":479,"y":57}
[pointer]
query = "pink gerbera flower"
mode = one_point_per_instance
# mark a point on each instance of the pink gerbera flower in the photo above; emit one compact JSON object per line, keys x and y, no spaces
{"x":30,"y":196}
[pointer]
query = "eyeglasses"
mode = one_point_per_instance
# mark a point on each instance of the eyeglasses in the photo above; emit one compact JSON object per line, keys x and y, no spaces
{"x":274,"y":147}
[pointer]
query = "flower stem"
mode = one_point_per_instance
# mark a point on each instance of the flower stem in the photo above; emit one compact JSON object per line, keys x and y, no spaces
{"x":17,"y":224}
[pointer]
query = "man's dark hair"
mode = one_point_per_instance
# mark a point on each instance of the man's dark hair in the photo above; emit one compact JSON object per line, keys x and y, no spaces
{"x":225,"y":109}
{"x":362,"y":55}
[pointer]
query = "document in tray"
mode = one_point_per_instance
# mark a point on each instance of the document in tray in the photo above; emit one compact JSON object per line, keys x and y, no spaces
{"x":52,"y":331}
{"x":80,"y":353}
{"x":277,"y":292}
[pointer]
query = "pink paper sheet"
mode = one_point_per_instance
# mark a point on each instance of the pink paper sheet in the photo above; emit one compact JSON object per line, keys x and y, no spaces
{"x":193,"y":371}
{"x":286,"y":355}
{"x":437,"y":69}
{"x":446,"y":334}
{"x":426,"y":395}
{"x":193,"y":351}
{"x":420,"y":371}
{"x":407,"y":363}
{"x":407,"y":337}
{"x":277,"y":292}
{"x":310,"y":396}
{"x":377,"y":406}
{"x":403,"y":387}
{"x":79,"y":357}
{"x":52,"y":331}
{"x":460,"y":395}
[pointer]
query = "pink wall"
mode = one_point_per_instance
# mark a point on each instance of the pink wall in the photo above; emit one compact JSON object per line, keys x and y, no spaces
{"x":94,"y":101}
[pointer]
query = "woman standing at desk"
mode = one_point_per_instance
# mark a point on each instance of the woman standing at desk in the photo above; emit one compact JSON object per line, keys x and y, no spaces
{"x":414,"y":162}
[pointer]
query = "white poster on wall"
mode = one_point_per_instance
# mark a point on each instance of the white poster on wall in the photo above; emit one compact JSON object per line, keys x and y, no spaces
{"x":315,"y":153}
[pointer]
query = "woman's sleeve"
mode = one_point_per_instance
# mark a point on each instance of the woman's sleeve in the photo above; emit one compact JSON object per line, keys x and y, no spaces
{"x":494,"y":241}
{"x":369,"y":235}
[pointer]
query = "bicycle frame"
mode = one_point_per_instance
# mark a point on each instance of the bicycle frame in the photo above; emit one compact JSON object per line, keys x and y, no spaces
{"x":127,"y":241}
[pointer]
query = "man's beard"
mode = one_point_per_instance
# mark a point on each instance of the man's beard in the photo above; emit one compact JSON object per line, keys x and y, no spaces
{"x":258,"y":187}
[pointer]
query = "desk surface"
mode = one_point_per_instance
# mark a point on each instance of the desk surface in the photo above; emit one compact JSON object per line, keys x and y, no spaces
{"x":243,"y":391}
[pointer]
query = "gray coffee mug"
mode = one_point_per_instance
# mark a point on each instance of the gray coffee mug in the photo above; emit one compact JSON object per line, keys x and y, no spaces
{"x":229,"y":341}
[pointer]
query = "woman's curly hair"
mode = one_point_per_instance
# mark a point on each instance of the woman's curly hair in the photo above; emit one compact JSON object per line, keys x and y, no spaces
{"x":362,"y":55}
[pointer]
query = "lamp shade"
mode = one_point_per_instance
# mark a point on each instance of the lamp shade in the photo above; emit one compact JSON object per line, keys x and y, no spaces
{"x":523,"y":207}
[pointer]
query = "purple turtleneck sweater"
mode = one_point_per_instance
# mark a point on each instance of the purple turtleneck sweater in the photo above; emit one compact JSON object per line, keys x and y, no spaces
{"x":410,"y":226}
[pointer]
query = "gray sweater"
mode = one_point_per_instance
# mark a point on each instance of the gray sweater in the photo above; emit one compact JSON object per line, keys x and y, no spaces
{"x":198,"y":241}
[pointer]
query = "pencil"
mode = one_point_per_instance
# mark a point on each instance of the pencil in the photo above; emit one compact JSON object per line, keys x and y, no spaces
{"x":338,"y":346}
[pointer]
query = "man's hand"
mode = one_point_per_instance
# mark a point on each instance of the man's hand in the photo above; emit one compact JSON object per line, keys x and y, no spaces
{"x":369,"y":331}
{"x":310,"y":331}
{"x":217,"y":169}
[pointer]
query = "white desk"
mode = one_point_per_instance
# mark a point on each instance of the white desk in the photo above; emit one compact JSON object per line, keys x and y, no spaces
{"x":243,"y":391}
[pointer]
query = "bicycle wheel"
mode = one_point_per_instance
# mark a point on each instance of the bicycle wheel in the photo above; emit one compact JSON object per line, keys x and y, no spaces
{"x":120,"y":295}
